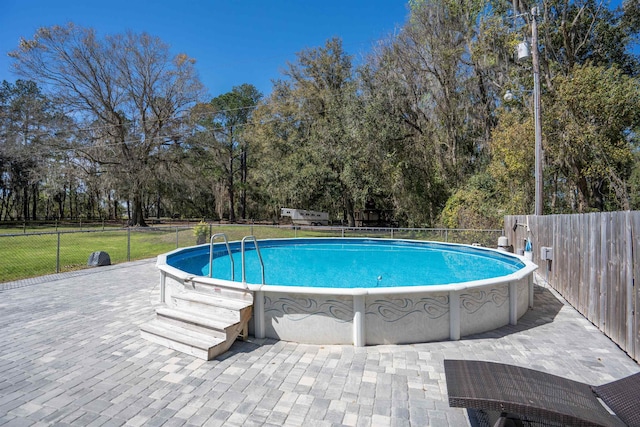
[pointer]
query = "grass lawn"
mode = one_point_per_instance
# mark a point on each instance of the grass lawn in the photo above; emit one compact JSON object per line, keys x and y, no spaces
{"x":30,"y":253}
{"x":24,"y":255}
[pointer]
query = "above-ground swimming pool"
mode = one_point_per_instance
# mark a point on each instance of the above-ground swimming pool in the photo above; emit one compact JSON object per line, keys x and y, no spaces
{"x":361,"y":291}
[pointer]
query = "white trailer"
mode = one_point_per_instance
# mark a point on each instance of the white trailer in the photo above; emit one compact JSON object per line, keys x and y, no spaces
{"x":304,"y":217}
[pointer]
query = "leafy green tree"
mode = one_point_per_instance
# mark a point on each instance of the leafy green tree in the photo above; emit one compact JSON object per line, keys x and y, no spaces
{"x":634,"y":182}
{"x":277,"y":134}
{"x":439,"y":97}
{"x":402,"y":171}
{"x":306,"y":131}
{"x":30,"y":127}
{"x":587,"y":134}
{"x":222,"y":144}
{"x":586,"y":31}
{"x":476,"y":205}
{"x":590,"y":138}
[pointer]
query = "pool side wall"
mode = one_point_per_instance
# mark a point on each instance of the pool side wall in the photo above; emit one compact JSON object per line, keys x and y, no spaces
{"x":366,"y":316}
{"x":308,"y":318}
{"x":391,"y":319}
{"x":404,"y":319}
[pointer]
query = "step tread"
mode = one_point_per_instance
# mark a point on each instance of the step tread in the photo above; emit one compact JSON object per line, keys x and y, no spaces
{"x":215,"y":300}
{"x":182,"y":335}
{"x":197,"y":318}
{"x":211,"y":311}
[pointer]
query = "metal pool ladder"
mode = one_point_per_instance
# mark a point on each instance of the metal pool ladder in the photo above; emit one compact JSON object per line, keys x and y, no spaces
{"x":255,"y":243}
{"x":226,"y":242}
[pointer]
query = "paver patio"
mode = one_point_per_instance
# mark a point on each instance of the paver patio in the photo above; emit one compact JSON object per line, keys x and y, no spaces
{"x":71,"y":354}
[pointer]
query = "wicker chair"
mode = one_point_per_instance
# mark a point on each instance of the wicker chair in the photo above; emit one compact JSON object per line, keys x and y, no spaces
{"x":510,"y":395}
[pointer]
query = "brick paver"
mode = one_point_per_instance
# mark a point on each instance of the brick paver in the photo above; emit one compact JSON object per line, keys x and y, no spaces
{"x":71,"y":354}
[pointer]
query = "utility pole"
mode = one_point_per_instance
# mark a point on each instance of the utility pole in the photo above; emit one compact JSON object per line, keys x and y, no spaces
{"x":523,"y":52}
{"x":536,"y":110}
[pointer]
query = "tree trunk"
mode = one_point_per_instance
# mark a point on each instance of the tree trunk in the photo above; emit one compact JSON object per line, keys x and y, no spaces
{"x":3,"y":203}
{"x":243,"y":195}
{"x":230,"y":192}
{"x":34,"y":209}
{"x":25,"y":203}
{"x":61,"y":200}
{"x":583,"y":194}
{"x":348,"y":207}
{"x":138,"y":213}
{"x":232,"y":214}
{"x":71,"y":193}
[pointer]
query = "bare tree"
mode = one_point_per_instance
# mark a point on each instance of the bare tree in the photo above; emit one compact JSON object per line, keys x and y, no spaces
{"x":128,"y":86}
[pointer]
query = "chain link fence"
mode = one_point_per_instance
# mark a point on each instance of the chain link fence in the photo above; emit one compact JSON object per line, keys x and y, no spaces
{"x":25,"y":254}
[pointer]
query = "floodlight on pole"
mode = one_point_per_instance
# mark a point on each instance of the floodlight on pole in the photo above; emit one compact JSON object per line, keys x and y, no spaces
{"x":508,"y":96}
{"x":523,"y":50}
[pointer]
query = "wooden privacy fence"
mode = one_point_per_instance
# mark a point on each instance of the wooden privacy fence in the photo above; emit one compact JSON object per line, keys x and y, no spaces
{"x":595,"y":260}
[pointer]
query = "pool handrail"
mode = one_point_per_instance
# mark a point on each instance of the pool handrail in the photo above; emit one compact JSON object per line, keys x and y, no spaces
{"x":255,"y":243}
{"x":226,"y":242}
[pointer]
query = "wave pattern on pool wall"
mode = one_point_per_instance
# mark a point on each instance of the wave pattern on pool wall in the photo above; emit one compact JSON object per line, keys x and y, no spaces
{"x":301,"y":308}
{"x":473,"y":301}
{"x":394,"y":309}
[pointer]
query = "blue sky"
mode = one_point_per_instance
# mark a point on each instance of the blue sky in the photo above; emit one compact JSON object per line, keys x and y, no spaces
{"x":233,"y":41}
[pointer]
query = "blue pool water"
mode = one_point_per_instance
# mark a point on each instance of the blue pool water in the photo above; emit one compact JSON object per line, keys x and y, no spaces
{"x":350,"y":263}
